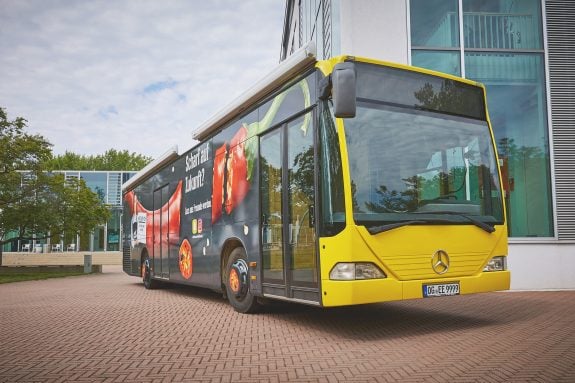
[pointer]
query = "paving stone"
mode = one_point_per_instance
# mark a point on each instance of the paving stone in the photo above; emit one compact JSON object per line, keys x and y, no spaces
{"x":108,"y":328}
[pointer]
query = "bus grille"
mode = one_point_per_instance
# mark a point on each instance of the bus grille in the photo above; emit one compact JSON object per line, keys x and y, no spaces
{"x":411,"y":267}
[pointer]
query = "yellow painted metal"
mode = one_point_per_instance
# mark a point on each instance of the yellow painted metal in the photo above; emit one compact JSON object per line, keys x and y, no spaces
{"x":343,"y":293}
{"x":404,"y":254}
{"x":326,"y":67}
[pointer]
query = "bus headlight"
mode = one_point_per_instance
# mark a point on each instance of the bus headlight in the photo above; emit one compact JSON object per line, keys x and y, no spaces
{"x":345,"y":271}
{"x":496,"y":264}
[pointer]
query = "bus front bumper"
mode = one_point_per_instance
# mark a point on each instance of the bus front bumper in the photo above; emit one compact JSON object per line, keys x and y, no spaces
{"x":343,"y":293}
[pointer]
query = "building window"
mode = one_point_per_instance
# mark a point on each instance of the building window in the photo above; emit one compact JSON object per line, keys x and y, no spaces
{"x":434,"y":24}
{"x":502,"y":47}
{"x":446,"y":62}
{"x":97,"y":182}
{"x":435,"y":35}
{"x":113,"y":227}
{"x":517,"y":107}
{"x":114,"y":188}
{"x":502,"y":24}
{"x":312,"y":20}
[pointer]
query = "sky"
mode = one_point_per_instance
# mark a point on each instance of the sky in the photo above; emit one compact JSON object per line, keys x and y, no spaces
{"x":139,"y":75}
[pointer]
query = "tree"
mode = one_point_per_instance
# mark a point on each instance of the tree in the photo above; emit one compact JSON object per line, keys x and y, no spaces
{"x":302,"y":179}
{"x":111,"y":160}
{"x":34,"y":201}
{"x":20,"y":151}
{"x":56,"y":207}
{"x":393,"y":201}
{"x":450,"y":97}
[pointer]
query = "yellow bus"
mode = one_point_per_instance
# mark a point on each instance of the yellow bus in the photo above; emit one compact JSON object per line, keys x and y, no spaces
{"x":337,"y":182}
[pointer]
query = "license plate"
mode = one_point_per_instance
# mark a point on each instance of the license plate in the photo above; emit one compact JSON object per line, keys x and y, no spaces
{"x":441,"y":290}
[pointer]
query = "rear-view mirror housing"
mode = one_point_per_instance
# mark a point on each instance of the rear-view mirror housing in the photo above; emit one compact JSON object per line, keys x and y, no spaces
{"x":343,"y":79}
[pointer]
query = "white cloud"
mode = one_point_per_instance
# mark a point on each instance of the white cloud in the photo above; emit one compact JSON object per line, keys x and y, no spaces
{"x":136,"y":75}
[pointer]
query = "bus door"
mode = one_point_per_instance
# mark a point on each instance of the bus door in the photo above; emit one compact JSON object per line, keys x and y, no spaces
{"x":161,"y":234}
{"x":287,"y":178}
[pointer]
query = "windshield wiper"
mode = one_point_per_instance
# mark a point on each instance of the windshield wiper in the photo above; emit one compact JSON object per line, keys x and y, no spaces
{"x":380,"y":229}
{"x":488,"y":228}
{"x":395,"y":225}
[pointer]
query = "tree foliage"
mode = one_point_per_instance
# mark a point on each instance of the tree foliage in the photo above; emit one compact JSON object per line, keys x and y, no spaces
{"x":34,"y":201}
{"x":393,"y":201}
{"x":449,"y":97}
{"x":57,"y":206}
{"x":19,"y":151}
{"x":111,"y":160}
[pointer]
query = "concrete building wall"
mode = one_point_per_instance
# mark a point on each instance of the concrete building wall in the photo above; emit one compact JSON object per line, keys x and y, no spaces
{"x":375,"y":29}
{"x":542,"y":266}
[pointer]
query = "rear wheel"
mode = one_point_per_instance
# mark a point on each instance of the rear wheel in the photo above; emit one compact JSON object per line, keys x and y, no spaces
{"x":237,"y":283}
{"x":149,"y":282}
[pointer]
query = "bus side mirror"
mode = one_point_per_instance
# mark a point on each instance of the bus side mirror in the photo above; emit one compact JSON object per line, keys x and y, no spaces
{"x":343,"y":80}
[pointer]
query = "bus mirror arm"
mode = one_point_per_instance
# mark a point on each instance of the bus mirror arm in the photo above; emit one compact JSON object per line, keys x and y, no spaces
{"x":325,"y":88}
{"x":341,"y":86}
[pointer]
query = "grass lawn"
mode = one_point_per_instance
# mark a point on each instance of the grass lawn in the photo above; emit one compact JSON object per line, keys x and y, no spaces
{"x":30,"y":275}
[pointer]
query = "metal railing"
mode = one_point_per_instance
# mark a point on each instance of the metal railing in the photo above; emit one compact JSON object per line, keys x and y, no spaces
{"x":500,"y":31}
{"x":487,"y":31}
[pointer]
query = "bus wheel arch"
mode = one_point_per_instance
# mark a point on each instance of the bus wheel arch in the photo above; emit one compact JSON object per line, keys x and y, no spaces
{"x":235,"y":278}
{"x":227,"y":249}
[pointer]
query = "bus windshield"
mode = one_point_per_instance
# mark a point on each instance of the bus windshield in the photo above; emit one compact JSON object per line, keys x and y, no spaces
{"x":420,"y":153}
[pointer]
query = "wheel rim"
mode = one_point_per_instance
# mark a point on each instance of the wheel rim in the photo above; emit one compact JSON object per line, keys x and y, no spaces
{"x":234,"y":281}
{"x":238,"y":279}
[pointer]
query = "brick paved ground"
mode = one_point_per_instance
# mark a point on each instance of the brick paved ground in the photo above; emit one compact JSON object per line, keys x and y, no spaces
{"x":108,"y":328}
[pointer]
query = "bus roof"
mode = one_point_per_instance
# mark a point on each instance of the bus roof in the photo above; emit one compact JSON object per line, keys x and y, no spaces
{"x":150,"y":169}
{"x":300,"y":59}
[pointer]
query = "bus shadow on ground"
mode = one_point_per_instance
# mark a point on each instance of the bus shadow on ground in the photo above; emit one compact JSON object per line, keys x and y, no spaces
{"x":190,"y":291}
{"x":391,"y":319}
{"x":397,"y":319}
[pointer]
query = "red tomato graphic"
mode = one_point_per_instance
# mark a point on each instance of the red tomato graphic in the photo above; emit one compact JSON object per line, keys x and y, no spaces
{"x":237,"y":183}
{"x":218,"y":182}
{"x":168,"y":215}
{"x":185,"y":259}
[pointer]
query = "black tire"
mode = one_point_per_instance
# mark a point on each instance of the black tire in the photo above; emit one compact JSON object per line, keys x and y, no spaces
{"x":236,"y":280}
{"x":149,"y":282}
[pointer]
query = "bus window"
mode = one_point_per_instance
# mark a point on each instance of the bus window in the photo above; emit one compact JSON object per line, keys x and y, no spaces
{"x":417,"y":161}
{"x":332,"y":207}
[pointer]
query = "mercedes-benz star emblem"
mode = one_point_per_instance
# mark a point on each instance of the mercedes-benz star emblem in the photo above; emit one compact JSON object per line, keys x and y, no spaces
{"x":440,"y":262}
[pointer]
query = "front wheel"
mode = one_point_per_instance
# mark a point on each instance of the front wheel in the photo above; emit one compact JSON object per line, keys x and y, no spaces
{"x":149,"y":282}
{"x":237,"y":283}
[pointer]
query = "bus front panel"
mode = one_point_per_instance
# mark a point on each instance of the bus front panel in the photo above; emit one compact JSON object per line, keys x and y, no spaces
{"x":423,"y":208}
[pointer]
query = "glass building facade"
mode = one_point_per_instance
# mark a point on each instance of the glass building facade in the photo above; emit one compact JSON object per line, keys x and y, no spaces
{"x":108,"y":186}
{"x":312,"y":20}
{"x":498,"y":43}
